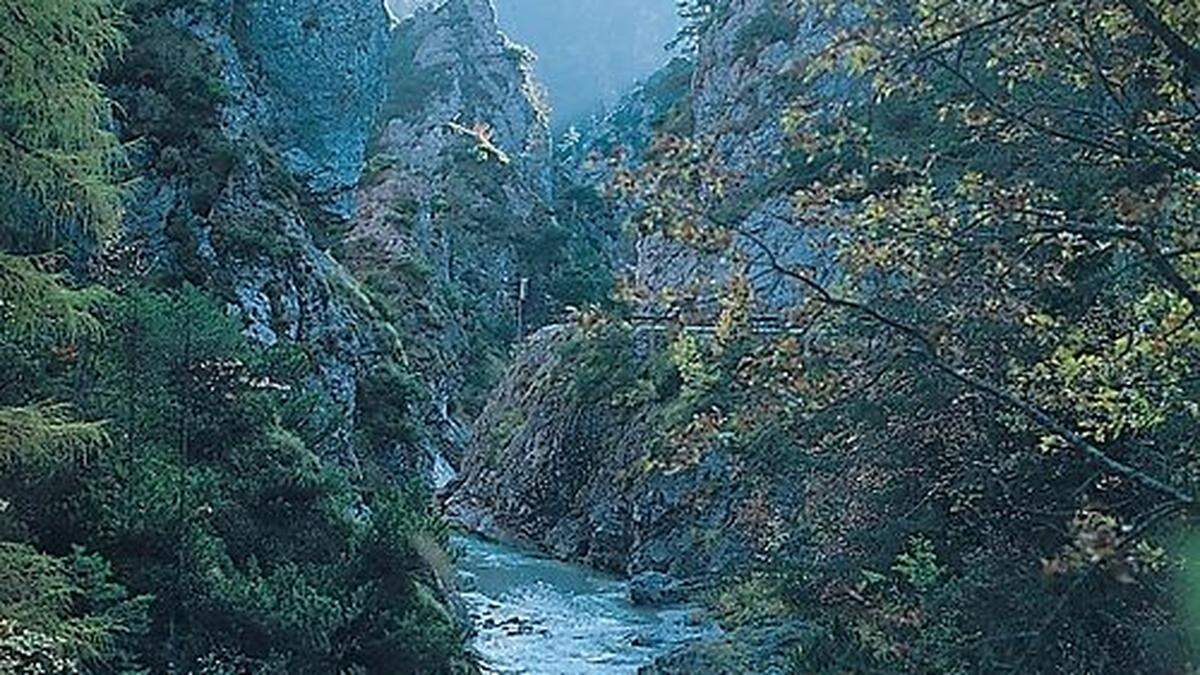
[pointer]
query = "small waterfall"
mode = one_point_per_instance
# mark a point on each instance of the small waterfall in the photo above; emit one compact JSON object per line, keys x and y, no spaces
{"x":441,"y":473}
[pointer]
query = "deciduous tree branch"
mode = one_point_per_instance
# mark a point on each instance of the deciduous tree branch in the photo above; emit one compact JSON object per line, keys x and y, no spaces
{"x":928,"y":350}
{"x":1188,"y":55}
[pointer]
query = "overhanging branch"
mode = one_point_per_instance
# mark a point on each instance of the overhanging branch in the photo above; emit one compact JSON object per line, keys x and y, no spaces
{"x":1188,"y":55}
{"x":927,"y":349}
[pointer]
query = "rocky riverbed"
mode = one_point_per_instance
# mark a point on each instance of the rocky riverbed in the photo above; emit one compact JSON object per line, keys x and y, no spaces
{"x":537,"y":615}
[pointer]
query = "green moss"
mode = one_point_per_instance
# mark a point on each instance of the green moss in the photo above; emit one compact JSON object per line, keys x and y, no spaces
{"x":506,"y":428}
{"x":670,"y":93}
{"x":601,"y":365}
{"x":376,"y":168}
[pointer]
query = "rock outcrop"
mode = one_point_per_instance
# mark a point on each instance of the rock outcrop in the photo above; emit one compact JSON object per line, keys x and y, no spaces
{"x":590,"y":156}
{"x":314,"y":69}
{"x":570,"y":467}
{"x":655,"y":588}
{"x":459,"y":175}
{"x":747,"y":73}
{"x":243,"y":206}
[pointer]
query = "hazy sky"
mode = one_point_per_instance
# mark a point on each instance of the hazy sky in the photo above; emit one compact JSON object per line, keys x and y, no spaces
{"x":590,"y":51}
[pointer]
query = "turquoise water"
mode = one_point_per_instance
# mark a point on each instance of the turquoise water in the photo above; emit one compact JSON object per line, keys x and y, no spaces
{"x":535,"y":615}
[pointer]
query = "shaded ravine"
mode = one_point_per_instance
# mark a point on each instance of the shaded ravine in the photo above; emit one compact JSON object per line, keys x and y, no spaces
{"x":536,"y":615}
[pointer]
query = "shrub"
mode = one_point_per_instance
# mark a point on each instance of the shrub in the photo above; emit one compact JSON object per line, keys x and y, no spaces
{"x":386,"y":400}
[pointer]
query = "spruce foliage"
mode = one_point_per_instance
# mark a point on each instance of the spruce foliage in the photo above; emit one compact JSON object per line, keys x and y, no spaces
{"x":54,"y":139}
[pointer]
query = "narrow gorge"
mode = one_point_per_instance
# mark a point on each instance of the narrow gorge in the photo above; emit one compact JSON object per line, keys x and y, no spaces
{"x":852,"y":336}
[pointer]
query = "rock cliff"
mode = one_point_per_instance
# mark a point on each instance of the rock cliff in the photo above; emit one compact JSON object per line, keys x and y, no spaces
{"x":590,"y":156}
{"x":246,"y":188}
{"x":578,"y":475}
{"x":567,"y":454}
{"x":377,"y":193}
{"x":746,"y":75}
{"x":454,"y":212}
{"x":314,"y":69}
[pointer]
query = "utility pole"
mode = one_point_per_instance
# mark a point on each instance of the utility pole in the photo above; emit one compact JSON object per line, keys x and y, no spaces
{"x":522,"y":293}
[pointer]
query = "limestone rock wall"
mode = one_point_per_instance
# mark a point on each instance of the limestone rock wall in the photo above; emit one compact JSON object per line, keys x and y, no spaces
{"x":315,"y":65}
{"x":300,"y":83}
{"x":459,"y":173}
{"x":572,"y":476}
{"x":746,"y":73}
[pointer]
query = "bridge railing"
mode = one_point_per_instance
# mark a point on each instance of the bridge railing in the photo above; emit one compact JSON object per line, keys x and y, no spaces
{"x":763,"y":324}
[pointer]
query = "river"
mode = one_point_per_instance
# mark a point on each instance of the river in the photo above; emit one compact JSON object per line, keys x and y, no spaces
{"x":535,"y":615}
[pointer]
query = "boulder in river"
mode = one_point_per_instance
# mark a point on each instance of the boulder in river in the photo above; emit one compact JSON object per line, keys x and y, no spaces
{"x":655,"y":588}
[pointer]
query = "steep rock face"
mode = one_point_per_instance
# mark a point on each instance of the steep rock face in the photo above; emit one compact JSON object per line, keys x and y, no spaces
{"x":590,"y":156}
{"x":302,"y":75}
{"x":581,"y":478}
{"x":746,"y":75}
{"x":575,"y":473}
{"x":459,"y":176}
{"x":451,"y":64}
{"x":661,"y":103}
{"x":308,"y":72}
{"x":299,"y":90}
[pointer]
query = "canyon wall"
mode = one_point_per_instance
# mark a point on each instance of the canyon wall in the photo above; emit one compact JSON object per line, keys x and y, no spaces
{"x":576,"y":474}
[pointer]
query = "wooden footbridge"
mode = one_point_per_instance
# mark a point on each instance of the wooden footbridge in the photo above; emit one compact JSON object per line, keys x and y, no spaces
{"x":765,"y":324}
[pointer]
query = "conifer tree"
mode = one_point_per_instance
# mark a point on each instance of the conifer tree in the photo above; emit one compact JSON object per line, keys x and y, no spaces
{"x":58,"y":152}
{"x":59,"y":158}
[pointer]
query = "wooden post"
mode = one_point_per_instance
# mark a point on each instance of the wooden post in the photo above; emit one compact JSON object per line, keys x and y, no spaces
{"x":522,"y":293}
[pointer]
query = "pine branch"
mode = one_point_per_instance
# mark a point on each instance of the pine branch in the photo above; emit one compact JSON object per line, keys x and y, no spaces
{"x":47,"y":432}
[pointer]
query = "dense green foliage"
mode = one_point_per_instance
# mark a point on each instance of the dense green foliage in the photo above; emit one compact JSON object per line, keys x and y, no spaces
{"x":169,"y":91}
{"x":163,"y":505}
{"x":992,"y":399}
{"x":54,"y":137}
{"x":258,"y":554}
{"x":55,"y":613}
